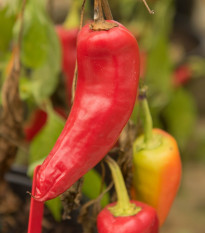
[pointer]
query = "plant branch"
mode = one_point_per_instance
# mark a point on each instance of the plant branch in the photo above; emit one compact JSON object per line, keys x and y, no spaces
{"x":12,"y":107}
{"x":76,"y":65}
{"x":107,"y":10}
{"x":148,"y":8}
{"x":100,"y":24}
{"x":98,"y":13}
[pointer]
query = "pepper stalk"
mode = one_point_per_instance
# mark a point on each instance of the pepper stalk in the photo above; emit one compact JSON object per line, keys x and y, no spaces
{"x":99,"y":21}
{"x":123,"y":207}
{"x":150,"y":141}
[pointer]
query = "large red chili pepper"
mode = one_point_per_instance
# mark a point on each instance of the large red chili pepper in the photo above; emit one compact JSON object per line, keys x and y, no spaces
{"x":157,"y":167}
{"x":68,"y":39}
{"x":108,"y":72}
{"x":125,"y":216}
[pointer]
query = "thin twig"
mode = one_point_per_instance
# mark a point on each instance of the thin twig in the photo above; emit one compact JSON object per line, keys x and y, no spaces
{"x":148,"y":8}
{"x":82,"y":14}
{"x":103,"y":176}
{"x":98,"y":13}
{"x":89,"y":203}
{"x":21,"y":24}
{"x":107,"y":10}
{"x":19,"y":41}
{"x":76,"y":65}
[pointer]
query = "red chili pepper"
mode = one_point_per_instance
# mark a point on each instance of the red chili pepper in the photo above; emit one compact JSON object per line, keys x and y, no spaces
{"x":68,"y":39}
{"x":37,"y":121}
{"x":182,"y":75}
{"x":126,"y":216}
{"x":108,"y":73}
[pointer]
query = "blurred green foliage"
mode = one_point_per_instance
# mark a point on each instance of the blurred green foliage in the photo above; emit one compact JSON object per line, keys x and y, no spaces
{"x":180,"y":116}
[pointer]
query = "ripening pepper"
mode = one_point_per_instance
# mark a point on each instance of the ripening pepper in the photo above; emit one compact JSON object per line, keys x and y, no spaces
{"x":156,"y":167}
{"x":108,"y":73}
{"x":125,"y":216}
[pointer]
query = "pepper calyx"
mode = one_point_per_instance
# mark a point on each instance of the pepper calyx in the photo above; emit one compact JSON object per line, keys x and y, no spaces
{"x":102,"y":25}
{"x":157,"y":141}
{"x":129,"y":210}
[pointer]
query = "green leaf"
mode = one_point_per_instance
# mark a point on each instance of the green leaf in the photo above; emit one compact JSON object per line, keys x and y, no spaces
{"x":40,"y":148}
{"x":180,"y":116}
{"x":44,"y":79}
{"x":159,"y":65}
{"x":73,"y":17}
{"x":44,"y":141}
{"x":55,"y":206}
{"x":32,"y":166}
{"x":91,"y":186}
{"x":34,"y":48}
{"x":12,"y":6}
{"x":159,"y":70}
{"x":6,"y":27}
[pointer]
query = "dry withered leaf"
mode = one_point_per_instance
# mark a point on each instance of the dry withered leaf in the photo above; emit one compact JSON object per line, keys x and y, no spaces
{"x":71,"y":198}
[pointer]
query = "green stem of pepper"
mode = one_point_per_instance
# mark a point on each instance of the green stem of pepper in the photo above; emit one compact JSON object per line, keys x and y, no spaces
{"x":150,"y":141}
{"x":148,"y":124}
{"x":123,"y":207}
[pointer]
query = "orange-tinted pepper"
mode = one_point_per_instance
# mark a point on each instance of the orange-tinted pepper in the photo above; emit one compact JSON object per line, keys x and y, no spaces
{"x":157,"y":169}
{"x":157,"y":172}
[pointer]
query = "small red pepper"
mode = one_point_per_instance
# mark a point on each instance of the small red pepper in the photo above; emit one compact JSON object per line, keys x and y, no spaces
{"x":34,"y":125}
{"x":108,"y":73}
{"x":125,"y":216}
{"x":68,"y":39}
{"x":182,"y":75}
{"x":36,"y":122}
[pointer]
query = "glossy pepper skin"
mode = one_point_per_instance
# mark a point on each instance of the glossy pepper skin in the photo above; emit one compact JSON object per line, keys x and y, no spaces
{"x":108,"y":73}
{"x":157,"y":172}
{"x":68,"y":41}
{"x":145,"y":221}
